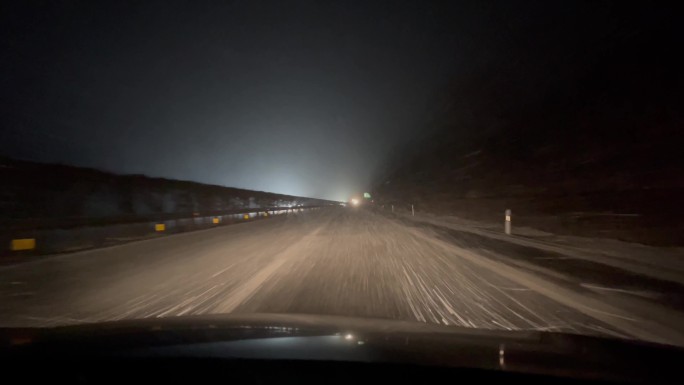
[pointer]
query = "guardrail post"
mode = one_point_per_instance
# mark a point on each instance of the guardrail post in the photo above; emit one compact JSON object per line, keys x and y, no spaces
{"x":507,"y":223}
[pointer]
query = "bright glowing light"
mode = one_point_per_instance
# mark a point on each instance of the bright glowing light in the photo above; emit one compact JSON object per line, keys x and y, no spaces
{"x":355,"y":202}
{"x":348,"y":337}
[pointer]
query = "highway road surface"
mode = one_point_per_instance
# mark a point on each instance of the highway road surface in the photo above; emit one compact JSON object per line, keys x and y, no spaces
{"x":333,"y":261}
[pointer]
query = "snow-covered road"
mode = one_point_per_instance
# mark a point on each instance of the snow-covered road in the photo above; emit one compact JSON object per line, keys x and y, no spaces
{"x":335,"y":261}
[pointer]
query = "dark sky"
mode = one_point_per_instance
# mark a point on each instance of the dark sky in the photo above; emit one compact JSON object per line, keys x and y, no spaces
{"x":302,"y":98}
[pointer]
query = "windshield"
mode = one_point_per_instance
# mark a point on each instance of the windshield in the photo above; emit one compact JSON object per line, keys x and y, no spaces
{"x":510,"y":165}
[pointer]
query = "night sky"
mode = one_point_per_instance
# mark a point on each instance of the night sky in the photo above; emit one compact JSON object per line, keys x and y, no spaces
{"x":302,"y":98}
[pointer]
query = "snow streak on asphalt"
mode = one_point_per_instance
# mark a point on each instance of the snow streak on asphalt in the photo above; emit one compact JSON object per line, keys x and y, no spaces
{"x":329,"y":261}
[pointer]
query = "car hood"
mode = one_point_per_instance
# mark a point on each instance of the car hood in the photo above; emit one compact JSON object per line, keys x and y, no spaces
{"x":315,"y":337}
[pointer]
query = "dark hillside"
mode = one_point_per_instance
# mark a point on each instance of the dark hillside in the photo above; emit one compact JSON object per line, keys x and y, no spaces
{"x":591,"y":149}
{"x":35,"y":190}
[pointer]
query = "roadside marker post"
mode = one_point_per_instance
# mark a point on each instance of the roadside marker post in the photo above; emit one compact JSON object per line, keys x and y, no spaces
{"x":413,"y":213}
{"x":507,"y":223}
{"x":392,"y":208}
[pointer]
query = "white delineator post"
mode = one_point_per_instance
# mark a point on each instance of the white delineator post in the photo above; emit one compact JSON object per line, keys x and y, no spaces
{"x":392,"y":208}
{"x":507,"y":223}
{"x":413,"y":213}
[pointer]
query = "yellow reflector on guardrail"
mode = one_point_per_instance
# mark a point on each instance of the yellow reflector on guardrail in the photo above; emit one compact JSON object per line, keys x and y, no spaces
{"x":159,"y":227}
{"x":23,"y":244}
{"x":215,"y":220}
{"x":246,"y":216}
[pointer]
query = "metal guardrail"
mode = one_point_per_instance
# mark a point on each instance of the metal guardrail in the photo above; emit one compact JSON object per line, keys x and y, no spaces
{"x":73,"y":222}
{"x":80,"y":233}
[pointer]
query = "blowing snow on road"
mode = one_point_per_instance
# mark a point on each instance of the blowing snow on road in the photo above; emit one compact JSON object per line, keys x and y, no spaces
{"x":335,"y":261}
